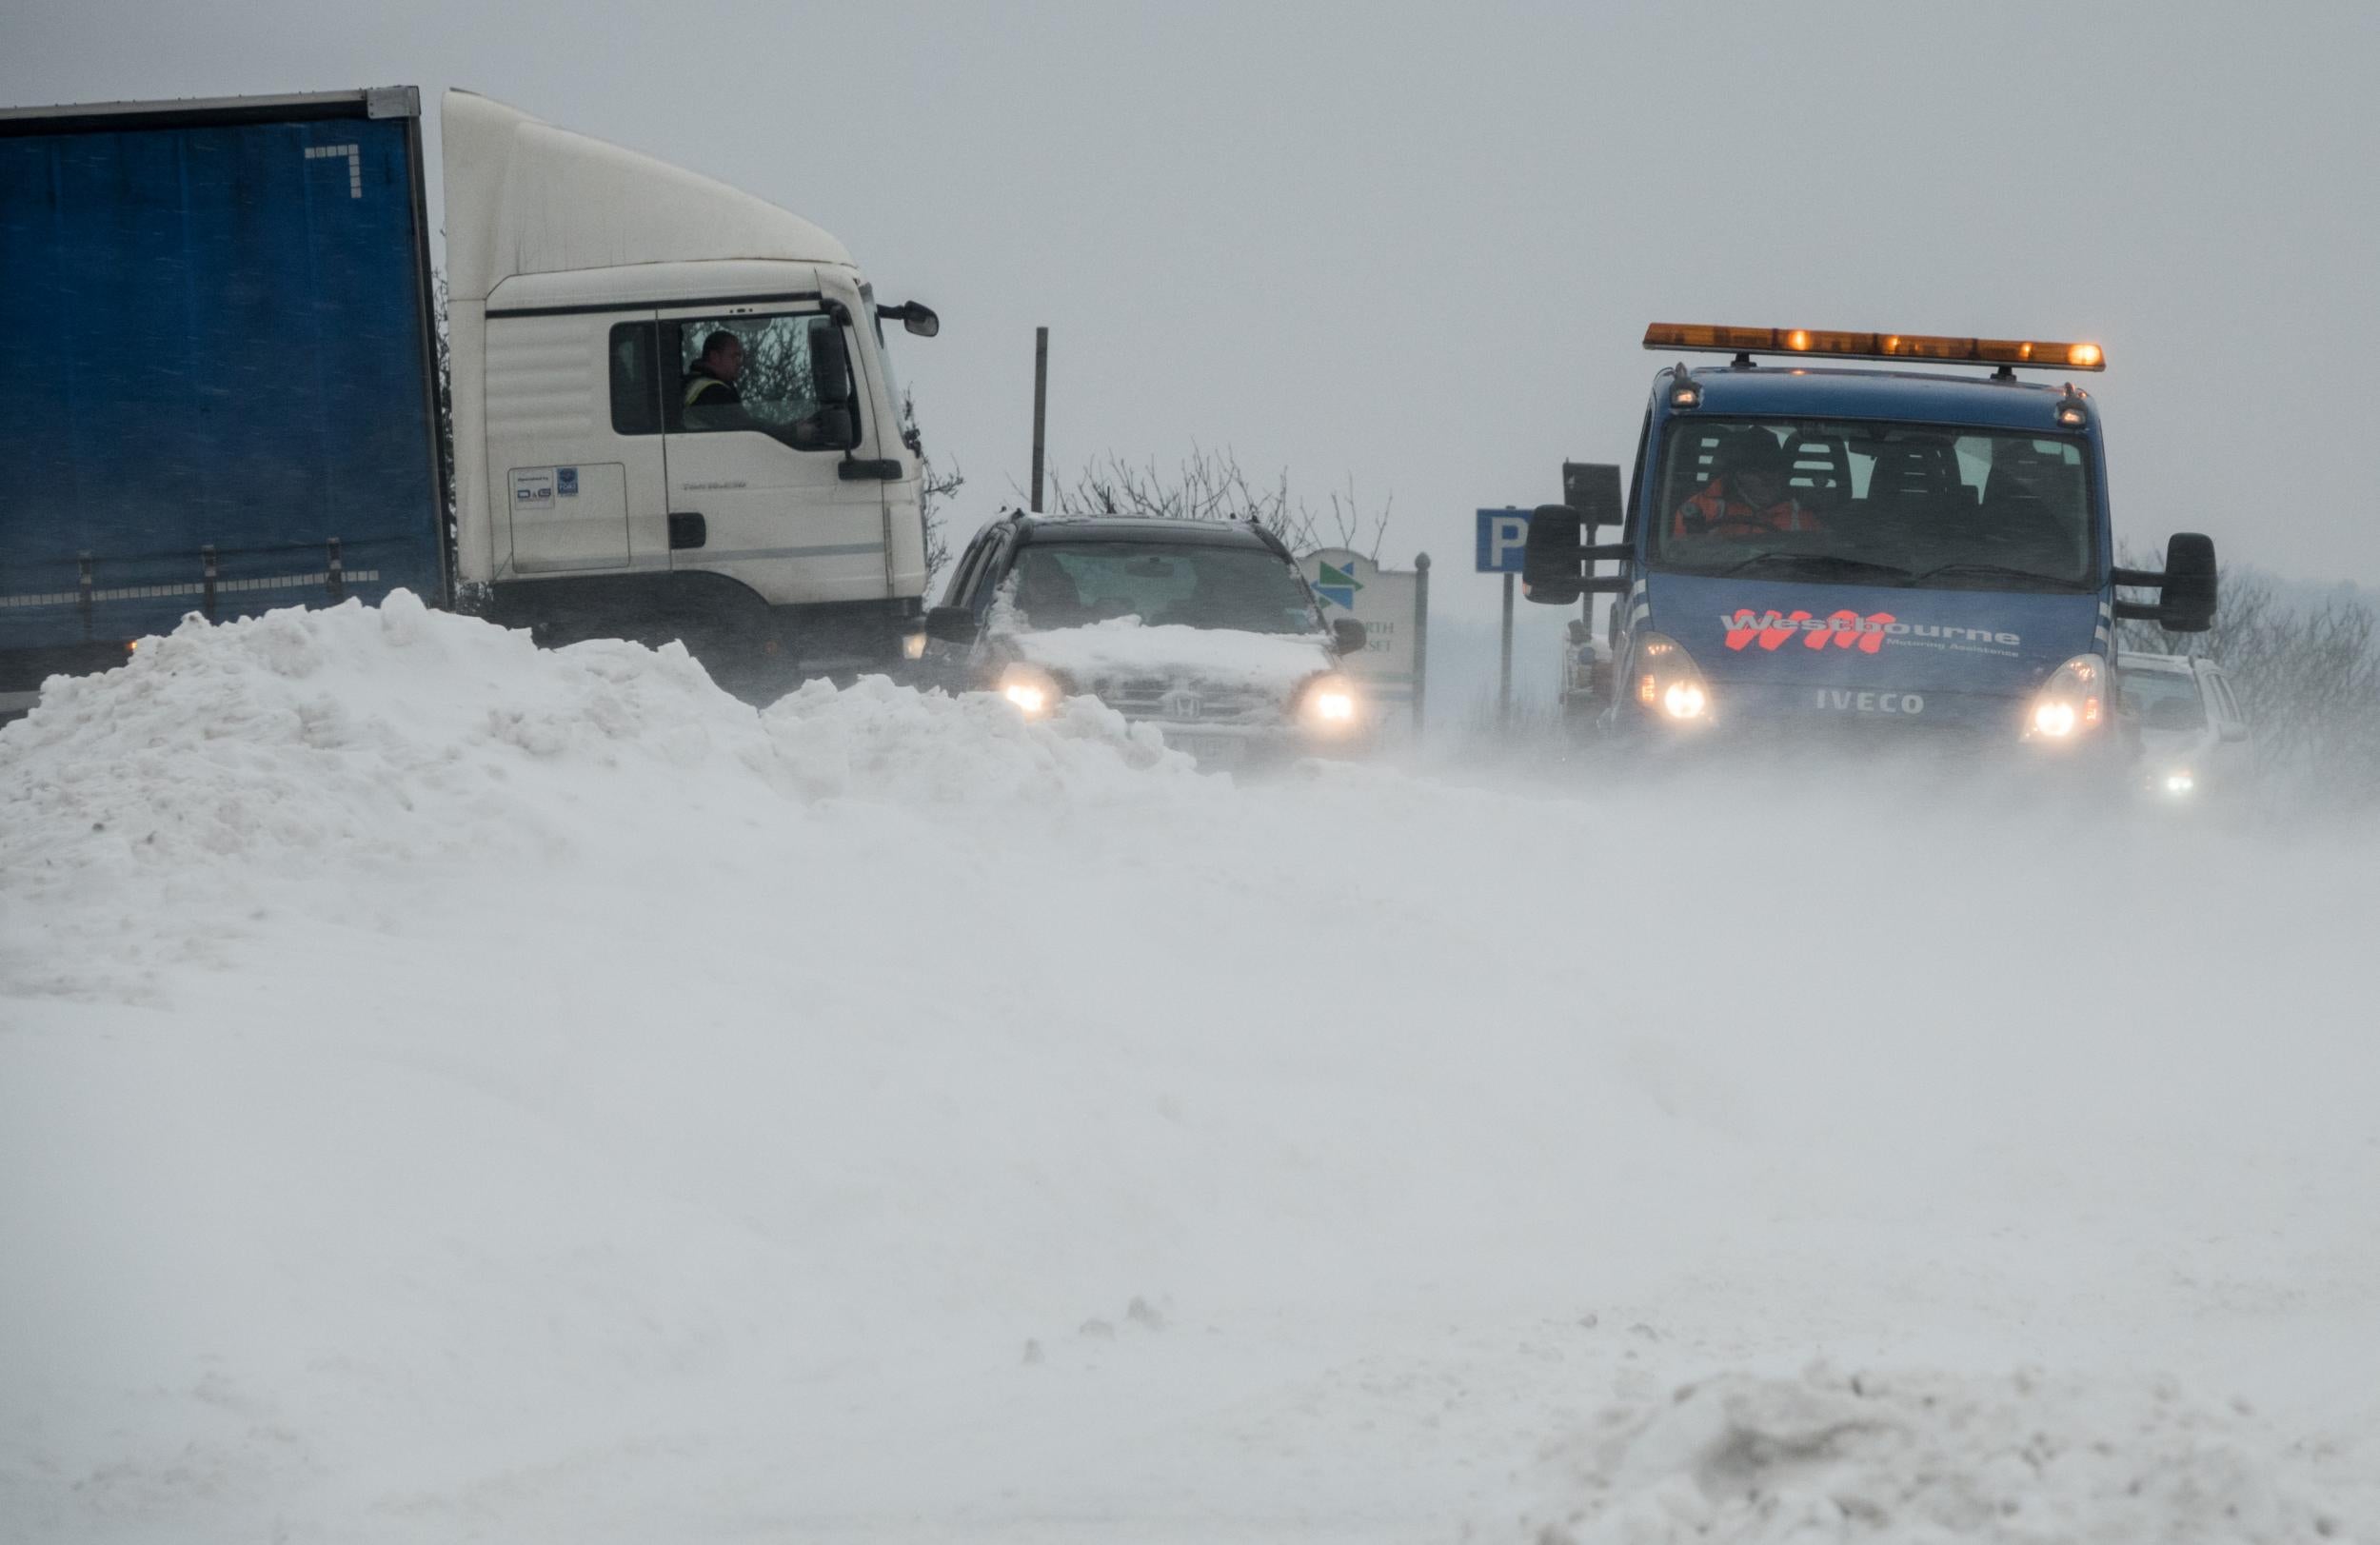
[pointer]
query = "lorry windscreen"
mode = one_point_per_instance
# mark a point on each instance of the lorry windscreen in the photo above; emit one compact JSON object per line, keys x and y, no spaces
{"x":1074,"y":584}
{"x":1872,"y":503}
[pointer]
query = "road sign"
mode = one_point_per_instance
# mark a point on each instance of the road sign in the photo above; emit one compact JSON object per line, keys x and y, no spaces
{"x":1336,"y":583}
{"x":1388,"y":603}
{"x":1503,"y":540}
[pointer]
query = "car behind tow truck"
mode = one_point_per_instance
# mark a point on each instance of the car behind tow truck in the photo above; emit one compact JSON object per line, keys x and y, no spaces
{"x":1204,"y":629}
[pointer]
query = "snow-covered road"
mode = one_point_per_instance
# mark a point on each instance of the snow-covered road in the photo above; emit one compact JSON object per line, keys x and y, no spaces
{"x":452,"y":1091}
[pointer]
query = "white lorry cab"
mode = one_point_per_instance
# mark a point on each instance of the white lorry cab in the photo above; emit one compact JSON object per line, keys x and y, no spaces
{"x":673,"y":412}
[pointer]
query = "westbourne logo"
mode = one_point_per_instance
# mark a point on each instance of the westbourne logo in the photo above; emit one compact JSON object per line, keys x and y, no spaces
{"x":1844,"y":629}
{"x":1848,"y":629}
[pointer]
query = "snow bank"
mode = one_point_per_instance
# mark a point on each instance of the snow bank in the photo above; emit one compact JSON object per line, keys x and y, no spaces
{"x":887,"y":743}
{"x":1926,"y":1458}
{"x":452,"y":1090}
{"x":1122,"y":648}
{"x":406,"y":734}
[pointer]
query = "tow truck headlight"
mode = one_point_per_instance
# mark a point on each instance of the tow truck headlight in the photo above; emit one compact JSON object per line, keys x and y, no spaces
{"x":1329,"y":703}
{"x":2179,"y":783}
{"x":2071,"y":703}
{"x":1667,"y":683}
{"x":1031,"y":689}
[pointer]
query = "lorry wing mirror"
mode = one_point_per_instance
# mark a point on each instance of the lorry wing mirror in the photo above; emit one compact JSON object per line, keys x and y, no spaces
{"x":951,"y":625}
{"x":915,"y":315}
{"x":1352,"y":635}
{"x":2186,"y":589}
{"x":1558,"y":566}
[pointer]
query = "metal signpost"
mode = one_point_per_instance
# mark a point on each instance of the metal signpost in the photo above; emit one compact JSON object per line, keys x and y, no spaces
{"x":1041,"y":406}
{"x":1394,"y":607}
{"x":1503,"y":543}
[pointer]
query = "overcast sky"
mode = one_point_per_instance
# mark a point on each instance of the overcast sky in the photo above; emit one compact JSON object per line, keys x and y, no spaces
{"x":1417,"y":245}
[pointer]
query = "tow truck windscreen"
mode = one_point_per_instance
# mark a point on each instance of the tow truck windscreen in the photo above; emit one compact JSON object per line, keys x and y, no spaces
{"x":1937,"y":506}
{"x":1070,"y":584}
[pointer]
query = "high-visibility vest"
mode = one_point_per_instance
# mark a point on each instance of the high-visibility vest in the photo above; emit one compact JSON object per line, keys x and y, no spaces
{"x":1709,"y":512}
{"x":698,"y":383}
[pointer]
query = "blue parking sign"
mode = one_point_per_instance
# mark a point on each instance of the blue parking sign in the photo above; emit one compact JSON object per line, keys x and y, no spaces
{"x":1503,"y":540}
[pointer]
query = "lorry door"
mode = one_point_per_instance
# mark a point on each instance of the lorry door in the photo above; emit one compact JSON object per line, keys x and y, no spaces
{"x":556,"y":463}
{"x":760,"y":488}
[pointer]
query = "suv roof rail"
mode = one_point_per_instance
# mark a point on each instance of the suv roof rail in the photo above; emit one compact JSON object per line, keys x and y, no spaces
{"x":1270,"y":538}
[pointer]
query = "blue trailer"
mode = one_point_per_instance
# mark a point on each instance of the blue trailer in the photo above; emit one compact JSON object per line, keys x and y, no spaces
{"x":217,"y":370}
{"x":1856,"y":551}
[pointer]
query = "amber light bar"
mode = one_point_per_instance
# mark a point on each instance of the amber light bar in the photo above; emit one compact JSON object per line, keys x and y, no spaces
{"x":2039,"y":354}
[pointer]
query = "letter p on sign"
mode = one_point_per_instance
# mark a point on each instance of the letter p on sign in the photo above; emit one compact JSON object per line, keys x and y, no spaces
{"x":1503,"y":541}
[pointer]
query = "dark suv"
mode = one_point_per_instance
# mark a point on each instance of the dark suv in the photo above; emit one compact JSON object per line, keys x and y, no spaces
{"x":1204,"y":629}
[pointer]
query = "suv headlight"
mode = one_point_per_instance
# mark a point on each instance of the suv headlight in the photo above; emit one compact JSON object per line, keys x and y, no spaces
{"x":2071,"y":703}
{"x":1329,"y":703}
{"x":1033,"y":691}
{"x":1666,"y":682}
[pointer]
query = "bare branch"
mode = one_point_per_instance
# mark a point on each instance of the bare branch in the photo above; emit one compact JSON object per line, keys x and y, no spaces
{"x":1212,"y":486}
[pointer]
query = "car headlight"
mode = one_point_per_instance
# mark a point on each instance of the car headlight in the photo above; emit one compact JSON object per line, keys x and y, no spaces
{"x":1329,"y":703}
{"x":2179,"y":783}
{"x":2071,"y":703}
{"x":1667,"y":683}
{"x":1032,"y":690}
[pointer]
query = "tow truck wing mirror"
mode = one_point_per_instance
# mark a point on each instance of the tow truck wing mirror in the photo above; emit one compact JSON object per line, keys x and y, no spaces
{"x":2188,"y":603}
{"x":951,"y":625}
{"x":1558,"y":566}
{"x":1592,"y":488}
{"x":2186,"y":588}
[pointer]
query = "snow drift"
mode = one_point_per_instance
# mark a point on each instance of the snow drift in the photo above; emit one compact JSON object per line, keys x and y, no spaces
{"x":404,"y":733}
{"x":453,"y":1089}
{"x":1926,"y":1458}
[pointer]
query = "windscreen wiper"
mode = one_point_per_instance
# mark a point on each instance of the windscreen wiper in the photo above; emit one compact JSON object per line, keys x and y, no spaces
{"x":2003,"y":571}
{"x":1826,"y":562}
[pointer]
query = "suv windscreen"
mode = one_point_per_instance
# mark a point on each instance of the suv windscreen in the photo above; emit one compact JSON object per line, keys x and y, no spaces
{"x":1071,"y":583}
{"x":2144,"y":690}
{"x":1874,"y":502}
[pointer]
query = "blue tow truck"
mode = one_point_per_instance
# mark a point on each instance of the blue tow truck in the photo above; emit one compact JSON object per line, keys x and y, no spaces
{"x":1843,"y":547}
